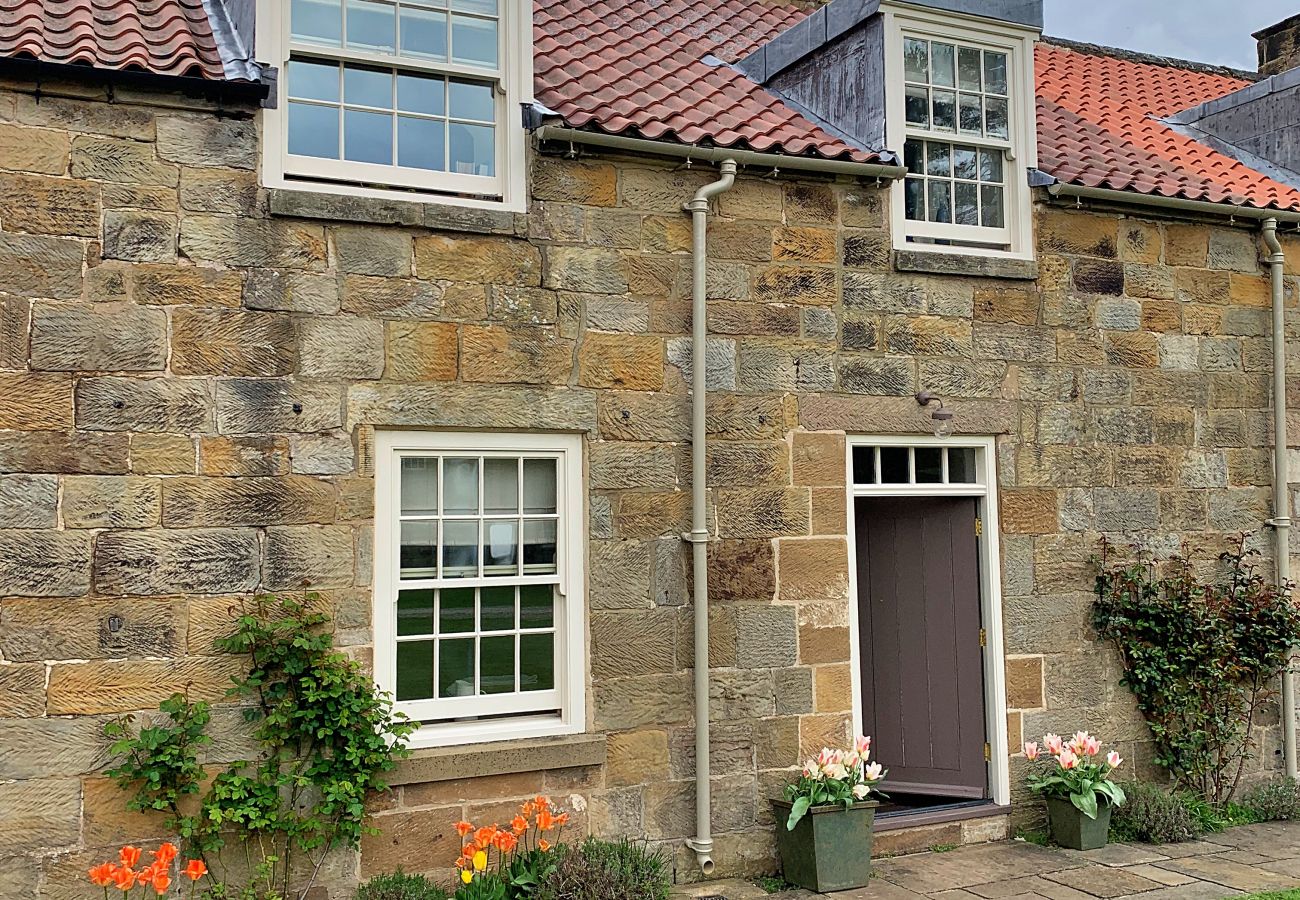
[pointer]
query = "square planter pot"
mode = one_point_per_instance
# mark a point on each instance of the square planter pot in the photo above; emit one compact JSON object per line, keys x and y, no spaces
{"x":830,"y":848}
{"x":1071,"y":828}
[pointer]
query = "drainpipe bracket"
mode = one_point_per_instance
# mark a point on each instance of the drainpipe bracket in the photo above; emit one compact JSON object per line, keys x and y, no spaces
{"x":697,"y":204}
{"x":1279,"y":522}
{"x":702,"y":846}
{"x":695,"y":537}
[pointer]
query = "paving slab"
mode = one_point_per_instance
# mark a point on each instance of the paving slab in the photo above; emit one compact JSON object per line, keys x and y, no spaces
{"x":1187,"y":848}
{"x":1034,"y":884}
{"x":1280,"y":840}
{"x":930,"y":873}
{"x":1288,"y":867}
{"x":1227,"y":873}
{"x":1198,"y":891}
{"x":1161,"y":876}
{"x":1103,"y":881}
{"x":1119,"y":854}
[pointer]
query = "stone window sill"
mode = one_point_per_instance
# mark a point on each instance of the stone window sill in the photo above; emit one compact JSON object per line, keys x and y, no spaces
{"x":499,"y":758}
{"x":939,"y":263}
{"x":375,"y":211}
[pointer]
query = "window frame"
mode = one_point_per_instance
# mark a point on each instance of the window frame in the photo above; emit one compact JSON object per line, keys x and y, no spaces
{"x":1020,"y":149}
{"x":513,"y":80}
{"x":570,"y":582}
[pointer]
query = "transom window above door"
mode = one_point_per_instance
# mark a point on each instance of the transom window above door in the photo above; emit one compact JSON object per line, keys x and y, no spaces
{"x":913,"y":465}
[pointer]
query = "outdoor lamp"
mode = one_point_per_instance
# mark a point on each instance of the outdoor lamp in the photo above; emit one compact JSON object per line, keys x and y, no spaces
{"x":941,"y":418}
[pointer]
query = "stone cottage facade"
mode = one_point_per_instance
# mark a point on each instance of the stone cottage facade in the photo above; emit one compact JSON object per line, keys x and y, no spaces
{"x":197,"y":370}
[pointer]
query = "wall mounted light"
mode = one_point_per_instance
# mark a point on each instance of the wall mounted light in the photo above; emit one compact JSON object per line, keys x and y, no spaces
{"x":941,"y":418}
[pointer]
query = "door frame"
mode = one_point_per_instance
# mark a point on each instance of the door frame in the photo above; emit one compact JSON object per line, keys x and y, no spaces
{"x":984,"y":490}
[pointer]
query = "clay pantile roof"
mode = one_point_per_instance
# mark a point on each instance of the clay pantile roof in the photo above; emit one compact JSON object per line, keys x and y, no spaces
{"x":165,"y":37}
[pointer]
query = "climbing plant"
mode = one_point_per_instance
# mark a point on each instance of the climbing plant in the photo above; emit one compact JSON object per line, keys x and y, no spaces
{"x":1200,"y":654}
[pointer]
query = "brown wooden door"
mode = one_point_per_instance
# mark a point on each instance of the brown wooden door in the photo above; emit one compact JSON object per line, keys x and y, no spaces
{"x":919,"y":626}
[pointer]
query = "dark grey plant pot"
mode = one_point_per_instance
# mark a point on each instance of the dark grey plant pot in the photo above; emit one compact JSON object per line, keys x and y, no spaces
{"x":829,"y":849}
{"x":1071,"y":828}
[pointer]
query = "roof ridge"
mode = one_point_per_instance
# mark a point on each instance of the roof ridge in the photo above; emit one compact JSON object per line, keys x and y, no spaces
{"x":1151,"y":59}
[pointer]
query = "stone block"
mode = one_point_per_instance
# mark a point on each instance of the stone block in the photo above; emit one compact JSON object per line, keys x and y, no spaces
{"x":619,"y":575}
{"x":589,"y":183}
{"x":627,"y":362}
{"x":1201,"y":286}
{"x":138,"y":196}
{"x":285,"y":291}
{"x":1056,"y":466}
{"x":812,"y":570}
{"x":206,"y":140}
{"x":372,"y":250}
{"x":609,"y":313}
{"x":816,"y":245}
{"x":647,"y":514}
{"x":36,"y":266}
{"x":1238,"y":509}
{"x":867,"y":250}
{"x":185,"y":286}
{"x":1029,"y":511}
{"x":523,"y":305}
{"x":343,"y":347}
{"x":636,"y":757}
{"x":37,"y":629}
{"x":455,"y":405}
{"x":124,"y":161}
{"x":1078,"y":233}
{"x":624,"y":465}
{"x":1145,"y":466}
{"x":927,"y":336}
{"x":515,"y":354}
{"x":258,"y":405}
{"x":748,"y":464}
{"x":51,"y":451}
{"x":799,"y":285}
{"x":14,"y":332}
{"x":35,"y":401}
{"x":652,"y":700}
{"x":1014,"y":343}
{"x":22,"y":692}
{"x":201,"y":561}
{"x":833,"y":688}
{"x":34,"y":149}
{"x":877,"y":376}
{"x":28,"y":501}
{"x":222,"y":191}
{"x":115,"y":686}
{"x":815,"y":204}
{"x":958,"y":378}
{"x":632,"y":416}
{"x":1234,"y":249}
{"x":290,"y":500}
{"x":241,"y":241}
{"x":628,"y":643}
{"x":784,"y":366}
{"x":54,"y":206}
{"x":308,"y":557}
{"x":1161,"y":315}
{"x":1139,"y":241}
{"x":820,"y":324}
{"x":139,"y":236}
{"x":1249,"y":290}
{"x":232,"y":343}
{"x":327,"y":453}
{"x":719,"y":362}
{"x":1155,"y":282}
{"x":1099,"y":276}
{"x":741,"y":571}
{"x":1007,"y":306}
{"x":98,"y":337}
{"x":110,"y":501}
{"x":485,"y":260}
{"x":107,"y":403}
{"x":38,"y":563}
{"x":420,"y":351}
{"x":1186,"y":245}
{"x":753,"y":241}
{"x":1134,"y":350}
{"x":595,"y":271}
{"x":1119,"y":315}
{"x":41,"y":813}
{"x":763,"y":512}
{"x":818,"y":458}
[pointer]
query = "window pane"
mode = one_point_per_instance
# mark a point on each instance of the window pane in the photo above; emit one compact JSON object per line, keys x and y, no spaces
{"x":422,"y":94}
{"x":995,"y":118}
{"x":424,"y":33}
{"x":415,"y":613}
{"x":939,"y":163}
{"x":929,"y":465}
{"x":995,"y":72}
{"x":916,"y":60}
{"x":991,"y":165}
{"x":500,"y":485}
{"x":419,"y":486}
{"x":991,"y":206}
{"x":966,"y":210}
{"x":314,"y":130}
{"x":944,"y":111}
{"x":939,"y":201}
{"x":455,"y":610}
{"x":964,"y":162}
{"x":460,"y":486}
{"x":416,"y":554}
{"x":864,"y":465}
{"x":961,"y":465}
{"x":539,"y":486}
{"x":415,"y":670}
{"x":421,"y":143}
{"x":969,"y":115}
{"x":941,"y":62}
{"x":536,"y":606}
{"x":501,"y":547}
{"x":968,"y":69}
{"x":914,"y":199}
{"x":913,"y":153}
{"x":368,"y":87}
{"x":536,"y":662}
{"x":483,"y":7}
{"x":474,"y":41}
{"x":497,"y":608}
{"x":473,"y":150}
{"x":313,"y":80}
{"x":317,"y":21}
{"x":918,"y":106}
{"x":460,"y":549}
{"x":456,"y":668}
{"x":539,"y":546}
{"x":371,"y":25}
{"x":497,"y":665}
{"x":893,"y":465}
{"x":368,"y":137}
{"x":472,"y":100}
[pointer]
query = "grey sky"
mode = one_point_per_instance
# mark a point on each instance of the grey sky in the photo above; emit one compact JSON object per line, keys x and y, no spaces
{"x":1212,"y":31}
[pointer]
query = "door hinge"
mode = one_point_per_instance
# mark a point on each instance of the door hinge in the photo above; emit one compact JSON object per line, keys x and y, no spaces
{"x":979,"y":527}
{"x":988,"y":752}
{"x":984,"y":638}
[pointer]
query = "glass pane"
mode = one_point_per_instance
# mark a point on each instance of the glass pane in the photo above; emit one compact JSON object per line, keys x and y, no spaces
{"x":472,"y":100}
{"x":893,"y":465}
{"x":961,"y":465}
{"x":497,"y":665}
{"x":456,"y":668}
{"x":991,"y":165}
{"x":317,"y":21}
{"x":372,"y":25}
{"x":916,"y":60}
{"x":313,"y":80}
{"x":415,"y":613}
{"x":944,"y":111}
{"x":995,"y":118}
{"x":419,"y":486}
{"x":991,"y":207}
{"x":497,"y":608}
{"x":929,"y":465}
{"x":536,"y":606}
{"x":939,"y":163}
{"x":368,"y":137}
{"x":473,"y":150}
{"x":536,"y":662}
{"x":968,"y":69}
{"x":416,"y":554}
{"x":482,"y":7}
{"x":422,"y":94}
{"x":460,"y":486}
{"x":455,"y":610}
{"x":966,"y":207}
{"x":539,"y":486}
{"x":474,"y":41}
{"x":995,"y":72}
{"x":539,"y":546}
{"x":939,"y":201}
{"x":964,"y":162}
{"x":314,"y":130}
{"x":941,"y":62}
{"x":864,"y":465}
{"x":368,"y":87}
{"x":421,"y":143}
{"x":913,"y":157}
{"x":501,"y":485}
{"x":500,"y":547}
{"x":424,"y":33}
{"x":460,"y":549}
{"x":914,"y":199}
{"x":969,"y":116}
{"x":918,"y":106}
{"x":415,"y":670}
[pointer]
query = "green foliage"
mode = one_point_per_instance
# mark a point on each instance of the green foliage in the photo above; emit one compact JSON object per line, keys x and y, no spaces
{"x":1200,"y":655}
{"x":400,"y":886}
{"x":485,"y":886}
{"x":1154,"y":815}
{"x":326,"y":738}
{"x":1275,"y":895}
{"x":943,"y":848}
{"x":773,"y":884}
{"x":1075,"y":771}
{"x":1033,"y":836}
{"x":607,"y":870}
{"x":1273,"y":800}
{"x":527,"y":869}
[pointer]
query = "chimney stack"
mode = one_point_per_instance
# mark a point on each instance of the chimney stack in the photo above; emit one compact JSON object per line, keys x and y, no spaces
{"x":1279,"y":46}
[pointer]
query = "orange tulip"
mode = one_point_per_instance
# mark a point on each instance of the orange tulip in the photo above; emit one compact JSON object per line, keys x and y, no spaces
{"x":161,"y":881}
{"x":102,"y":875}
{"x":519,"y":824}
{"x":527,"y":809}
{"x":129,"y":856}
{"x":561,"y":820}
{"x":195,"y":869}
{"x":483,"y":836}
{"x":463,"y":828}
{"x":541,"y":802}
{"x":545,"y":820}
{"x":124,"y":878}
{"x":544,"y":844}
{"x":146,"y":875}
{"x":166,"y":853}
{"x":468,"y":851}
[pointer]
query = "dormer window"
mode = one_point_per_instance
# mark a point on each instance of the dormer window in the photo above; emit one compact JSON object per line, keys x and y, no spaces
{"x":399,"y":97}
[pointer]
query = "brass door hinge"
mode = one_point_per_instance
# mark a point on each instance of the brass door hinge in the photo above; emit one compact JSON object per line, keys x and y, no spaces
{"x":988,"y":752}
{"x":984,"y":638}
{"x":979,"y":527}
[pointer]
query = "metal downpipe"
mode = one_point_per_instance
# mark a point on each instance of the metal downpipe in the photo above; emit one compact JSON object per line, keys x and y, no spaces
{"x":1281,"y":520}
{"x":698,"y":537}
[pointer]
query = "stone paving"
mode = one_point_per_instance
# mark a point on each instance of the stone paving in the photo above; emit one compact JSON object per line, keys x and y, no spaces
{"x":1240,"y":861}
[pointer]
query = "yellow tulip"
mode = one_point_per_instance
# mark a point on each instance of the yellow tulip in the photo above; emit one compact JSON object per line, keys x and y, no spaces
{"x":480,"y":861}
{"x":466,"y":875}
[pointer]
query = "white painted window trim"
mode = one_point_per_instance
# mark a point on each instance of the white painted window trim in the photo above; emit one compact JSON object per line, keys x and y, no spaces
{"x":990,"y":558}
{"x":570,"y":626}
{"x":1018,"y":44}
{"x":507,"y":190}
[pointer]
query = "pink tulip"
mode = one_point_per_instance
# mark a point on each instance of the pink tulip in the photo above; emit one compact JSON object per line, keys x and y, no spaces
{"x":1053,"y":744}
{"x":862,"y":744}
{"x":1068,"y":759}
{"x":1031,"y":750}
{"x":1092,"y":746}
{"x":874,"y":772}
{"x":1113,"y":759}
